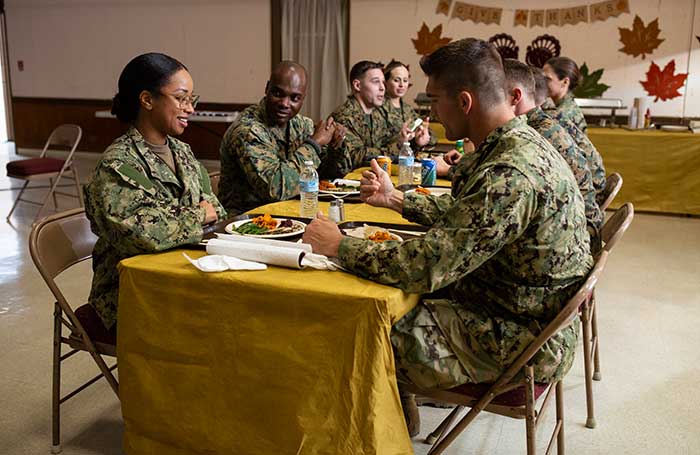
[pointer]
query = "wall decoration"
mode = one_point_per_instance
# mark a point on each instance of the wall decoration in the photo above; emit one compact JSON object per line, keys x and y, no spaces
{"x":537,"y":18}
{"x":443,"y":7}
{"x":476,"y":13}
{"x":542,"y":49}
{"x":589,"y":87}
{"x":664,"y":84}
{"x":551,"y":17}
{"x":429,"y":41}
{"x":640,"y":39}
{"x":505,"y":45}
{"x":612,"y":8}
{"x":520,"y":17}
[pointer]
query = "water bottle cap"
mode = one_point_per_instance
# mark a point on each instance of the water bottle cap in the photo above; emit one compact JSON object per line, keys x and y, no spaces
{"x":309,"y":163}
{"x":407,"y":144}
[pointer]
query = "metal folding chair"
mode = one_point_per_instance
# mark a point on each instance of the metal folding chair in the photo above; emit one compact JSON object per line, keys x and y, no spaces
{"x":613,"y":183}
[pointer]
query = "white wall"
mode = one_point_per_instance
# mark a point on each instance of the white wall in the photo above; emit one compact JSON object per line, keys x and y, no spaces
{"x":77,"y":48}
{"x":382,"y":29}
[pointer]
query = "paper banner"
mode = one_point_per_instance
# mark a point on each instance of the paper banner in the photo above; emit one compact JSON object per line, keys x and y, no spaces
{"x":567,"y":16}
{"x":443,"y":7}
{"x":552,"y":17}
{"x":520,"y":17}
{"x":537,"y":18}
{"x":463,"y":11}
{"x":580,"y":14}
{"x":488,"y":15}
{"x":603,"y":10}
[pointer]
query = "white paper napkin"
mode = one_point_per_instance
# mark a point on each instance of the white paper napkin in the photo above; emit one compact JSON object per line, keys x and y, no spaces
{"x":219,"y":263}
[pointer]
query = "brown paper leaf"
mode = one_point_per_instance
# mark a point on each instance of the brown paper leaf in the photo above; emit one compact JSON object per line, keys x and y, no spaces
{"x":429,"y":41}
{"x":664,"y":84}
{"x":520,"y":17}
{"x":640,"y":40}
{"x":443,"y":7}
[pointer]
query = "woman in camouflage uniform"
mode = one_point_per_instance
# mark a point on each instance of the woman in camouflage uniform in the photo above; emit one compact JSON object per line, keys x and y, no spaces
{"x":563,"y":76}
{"x":148,"y":192}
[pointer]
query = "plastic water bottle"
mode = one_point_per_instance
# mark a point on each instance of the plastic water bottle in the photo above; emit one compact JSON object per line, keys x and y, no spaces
{"x":308,"y":190}
{"x":406,"y":165}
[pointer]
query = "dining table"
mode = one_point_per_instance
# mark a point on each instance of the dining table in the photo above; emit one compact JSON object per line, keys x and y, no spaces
{"x":280,"y":361}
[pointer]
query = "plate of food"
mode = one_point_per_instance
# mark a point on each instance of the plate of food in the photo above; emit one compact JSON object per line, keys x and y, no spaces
{"x":436,"y":191}
{"x":266,"y":227}
{"x":373,"y":233}
{"x":339,"y":187}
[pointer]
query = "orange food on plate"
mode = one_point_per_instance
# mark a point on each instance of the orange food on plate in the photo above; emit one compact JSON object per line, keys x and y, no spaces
{"x":265,"y":221}
{"x":380,"y":236}
{"x":422,"y":190}
{"x":325,"y":185}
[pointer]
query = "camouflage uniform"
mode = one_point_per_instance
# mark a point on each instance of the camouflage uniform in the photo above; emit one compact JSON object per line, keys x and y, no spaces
{"x":595,"y":161}
{"x":261,"y":163}
{"x":368,"y":135}
{"x":506,"y":251}
{"x":556,"y":135}
{"x":397,"y":116}
{"x":566,"y":109}
{"x":137,"y":205}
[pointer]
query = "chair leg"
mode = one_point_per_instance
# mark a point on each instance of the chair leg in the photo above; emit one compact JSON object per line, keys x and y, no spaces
{"x":443,"y":443}
{"x":560,"y":417}
{"x":19,"y":198}
{"x":56,"y":392}
{"x":53,"y":194}
{"x":594,"y":336}
{"x":530,"y":418}
{"x":586,"y":323}
{"x":45,"y":203}
{"x":444,"y":425}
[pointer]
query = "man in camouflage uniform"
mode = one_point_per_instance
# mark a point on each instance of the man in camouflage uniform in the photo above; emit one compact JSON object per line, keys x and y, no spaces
{"x":263,"y":154}
{"x":369,"y":129}
{"x":506,"y":249}
{"x":520,"y":86}
{"x":138,"y":204}
{"x":567,"y":110}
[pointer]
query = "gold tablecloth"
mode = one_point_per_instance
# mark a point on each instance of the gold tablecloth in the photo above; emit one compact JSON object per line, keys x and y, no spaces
{"x":270,"y":362}
{"x":357,"y":174}
{"x":660,"y":170}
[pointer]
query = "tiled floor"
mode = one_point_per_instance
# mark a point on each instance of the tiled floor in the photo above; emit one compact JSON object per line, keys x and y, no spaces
{"x":647,"y":402}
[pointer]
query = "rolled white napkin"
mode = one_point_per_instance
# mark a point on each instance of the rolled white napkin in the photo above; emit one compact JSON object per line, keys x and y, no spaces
{"x":253,"y":240}
{"x":218,"y":263}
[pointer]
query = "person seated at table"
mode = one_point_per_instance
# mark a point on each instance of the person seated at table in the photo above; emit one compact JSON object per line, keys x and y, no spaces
{"x":520,"y":86}
{"x":148,"y":193}
{"x":595,"y":161}
{"x":263,"y":153}
{"x":505,"y":250}
{"x":399,"y":113}
{"x":563,"y":77}
{"x":369,"y":131}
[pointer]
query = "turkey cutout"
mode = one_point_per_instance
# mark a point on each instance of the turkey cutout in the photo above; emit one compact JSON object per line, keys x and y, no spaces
{"x":542,"y":49}
{"x":505,"y":45}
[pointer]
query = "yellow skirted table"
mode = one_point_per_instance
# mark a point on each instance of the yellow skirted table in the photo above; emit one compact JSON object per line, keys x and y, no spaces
{"x":357,"y":174}
{"x":268,"y":362}
{"x":660,"y":170}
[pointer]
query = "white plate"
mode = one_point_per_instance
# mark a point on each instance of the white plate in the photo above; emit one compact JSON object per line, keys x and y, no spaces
{"x":343,"y":193}
{"x":674,"y":128}
{"x":434,"y":191}
{"x":231,"y":226}
{"x":359,"y":232}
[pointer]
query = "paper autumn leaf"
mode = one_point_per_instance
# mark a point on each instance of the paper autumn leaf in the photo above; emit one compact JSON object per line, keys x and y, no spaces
{"x":589,"y":86}
{"x":663,"y":84}
{"x":640,"y":40}
{"x":428,"y":41}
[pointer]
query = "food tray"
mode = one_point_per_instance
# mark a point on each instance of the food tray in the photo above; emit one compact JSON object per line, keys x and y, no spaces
{"x":405,"y":231}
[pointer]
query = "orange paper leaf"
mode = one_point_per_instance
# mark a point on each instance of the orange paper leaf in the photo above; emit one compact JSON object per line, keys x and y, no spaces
{"x":429,"y":41}
{"x":640,"y":40}
{"x":663,"y":84}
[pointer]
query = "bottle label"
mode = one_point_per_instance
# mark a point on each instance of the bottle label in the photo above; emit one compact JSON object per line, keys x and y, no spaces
{"x":308,"y":186}
{"x":405,"y":161}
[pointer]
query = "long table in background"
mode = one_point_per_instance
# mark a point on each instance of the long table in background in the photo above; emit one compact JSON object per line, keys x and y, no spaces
{"x":264,"y":362}
{"x":660,"y":170}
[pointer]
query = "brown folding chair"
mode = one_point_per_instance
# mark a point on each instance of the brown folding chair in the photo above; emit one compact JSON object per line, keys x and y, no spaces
{"x":214,"y":177}
{"x":515,"y":393}
{"x":613,"y":183}
{"x":611,"y":233}
{"x":57,"y":243}
{"x":65,"y":137}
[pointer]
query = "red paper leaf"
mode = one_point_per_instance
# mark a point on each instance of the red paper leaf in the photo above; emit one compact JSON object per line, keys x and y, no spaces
{"x":663,"y":84}
{"x":429,"y":41}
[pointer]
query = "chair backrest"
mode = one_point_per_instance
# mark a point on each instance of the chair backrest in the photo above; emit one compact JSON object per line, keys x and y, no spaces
{"x":65,"y":137}
{"x":613,"y":183}
{"x":564,"y":318}
{"x":214,"y":177}
{"x":617,"y":224}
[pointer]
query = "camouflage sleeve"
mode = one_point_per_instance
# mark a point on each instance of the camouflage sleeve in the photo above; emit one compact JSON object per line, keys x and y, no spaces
{"x":336,"y":162}
{"x":126,"y":206}
{"x":467,"y":234}
{"x":426,"y":209}
{"x":267,"y":172}
{"x":208,"y":193}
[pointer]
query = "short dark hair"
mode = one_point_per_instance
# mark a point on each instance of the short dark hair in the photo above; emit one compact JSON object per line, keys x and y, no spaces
{"x":147,"y":72}
{"x":518,"y":73}
{"x":360,"y":68}
{"x":541,"y":90}
{"x":468,"y":64}
{"x":391,"y":66}
{"x":565,"y":67}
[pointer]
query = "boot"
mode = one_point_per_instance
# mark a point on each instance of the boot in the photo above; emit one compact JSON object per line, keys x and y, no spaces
{"x":410,"y":412}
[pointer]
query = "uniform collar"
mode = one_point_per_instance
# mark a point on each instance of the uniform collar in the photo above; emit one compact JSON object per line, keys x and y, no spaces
{"x":156,"y":167}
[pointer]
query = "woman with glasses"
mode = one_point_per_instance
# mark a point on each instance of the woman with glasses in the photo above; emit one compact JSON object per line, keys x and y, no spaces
{"x":148,"y":192}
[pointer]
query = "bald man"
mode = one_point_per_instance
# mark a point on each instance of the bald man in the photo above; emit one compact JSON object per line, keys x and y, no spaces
{"x":263,"y":154}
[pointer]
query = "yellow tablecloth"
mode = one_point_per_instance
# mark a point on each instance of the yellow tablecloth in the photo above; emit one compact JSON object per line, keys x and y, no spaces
{"x":357,"y":174}
{"x":660,"y":170}
{"x":272,"y":362}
